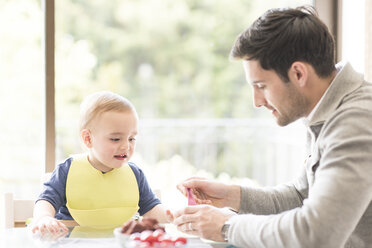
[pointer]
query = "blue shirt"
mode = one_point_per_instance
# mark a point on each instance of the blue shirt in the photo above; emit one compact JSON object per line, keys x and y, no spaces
{"x":55,"y":191}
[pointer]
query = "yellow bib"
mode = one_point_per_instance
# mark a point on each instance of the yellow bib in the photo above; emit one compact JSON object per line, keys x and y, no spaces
{"x":100,"y":200}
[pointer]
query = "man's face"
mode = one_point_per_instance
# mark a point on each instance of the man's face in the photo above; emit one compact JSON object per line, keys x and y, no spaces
{"x":283,"y":99}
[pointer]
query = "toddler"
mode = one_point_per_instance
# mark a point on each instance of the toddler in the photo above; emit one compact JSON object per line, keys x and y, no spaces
{"x":101,"y":188}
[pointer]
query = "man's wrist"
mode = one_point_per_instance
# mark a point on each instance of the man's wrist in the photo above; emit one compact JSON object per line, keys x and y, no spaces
{"x":225,"y":230}
{"x":235,"y":197}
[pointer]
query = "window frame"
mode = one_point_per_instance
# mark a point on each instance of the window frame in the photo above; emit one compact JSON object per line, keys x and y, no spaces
{"x":368,"y":41}
{"x":330,"y":12}
{"x":48,"y":48}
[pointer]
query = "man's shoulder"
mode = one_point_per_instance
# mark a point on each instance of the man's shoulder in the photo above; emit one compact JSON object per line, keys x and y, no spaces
{"x":360,"y":98}
{"x":353,"y":115}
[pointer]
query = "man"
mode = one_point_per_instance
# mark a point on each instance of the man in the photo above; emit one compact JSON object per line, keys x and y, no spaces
{"x":288,"y":58}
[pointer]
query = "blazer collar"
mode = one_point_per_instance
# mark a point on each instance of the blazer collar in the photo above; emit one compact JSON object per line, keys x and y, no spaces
{"x":346,"y":81}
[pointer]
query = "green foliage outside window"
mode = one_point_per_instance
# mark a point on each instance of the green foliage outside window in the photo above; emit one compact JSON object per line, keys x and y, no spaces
{"x":169,"y":57}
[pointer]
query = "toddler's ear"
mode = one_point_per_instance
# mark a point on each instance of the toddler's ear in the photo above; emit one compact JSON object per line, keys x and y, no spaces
{"x":85,"y":136}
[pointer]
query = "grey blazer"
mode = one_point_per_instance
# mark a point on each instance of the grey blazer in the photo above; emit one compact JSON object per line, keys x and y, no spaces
{"x":330,"y":205}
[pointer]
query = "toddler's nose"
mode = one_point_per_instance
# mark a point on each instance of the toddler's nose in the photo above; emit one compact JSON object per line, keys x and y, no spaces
{"x":125,"y":146}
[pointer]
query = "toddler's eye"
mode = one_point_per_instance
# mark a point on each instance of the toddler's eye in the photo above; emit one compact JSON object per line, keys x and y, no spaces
{"x":132,"y":139}
{"x":115,"y":139}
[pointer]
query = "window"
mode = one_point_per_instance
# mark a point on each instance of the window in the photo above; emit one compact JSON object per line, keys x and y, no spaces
{"x":170,"y":58}
{"x":353,"y":33}
{"x":21,"y":97}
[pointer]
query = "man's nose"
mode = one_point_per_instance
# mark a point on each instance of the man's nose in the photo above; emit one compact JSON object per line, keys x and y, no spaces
{"x":258,"y":99}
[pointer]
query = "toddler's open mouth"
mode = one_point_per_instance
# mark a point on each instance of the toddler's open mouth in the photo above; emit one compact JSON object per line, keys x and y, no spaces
{"x":123,"y":156}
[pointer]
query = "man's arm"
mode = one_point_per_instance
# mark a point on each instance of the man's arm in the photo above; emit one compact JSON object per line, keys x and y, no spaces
{"x":274,"y":200}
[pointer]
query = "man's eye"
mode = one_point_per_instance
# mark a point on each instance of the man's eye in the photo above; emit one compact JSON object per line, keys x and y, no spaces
{"x":114,"y":139}
{"x":260,"y":86}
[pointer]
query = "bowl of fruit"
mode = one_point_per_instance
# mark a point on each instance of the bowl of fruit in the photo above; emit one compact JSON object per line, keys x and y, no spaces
{"x":147,"y":233}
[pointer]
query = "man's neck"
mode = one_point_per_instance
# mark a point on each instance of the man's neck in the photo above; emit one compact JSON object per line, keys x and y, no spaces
{"x":318,"y":88}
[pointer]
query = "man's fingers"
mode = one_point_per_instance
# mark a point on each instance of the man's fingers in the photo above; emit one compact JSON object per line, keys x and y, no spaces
{"x":206,"y":202}
{"x":196,"y":178}
{"x":183,"y":227}
{"x":181,"y":220}
{"x":191,"y":182}
{"x":186,"y":210}
{"x":188,"y":228}
{"x":185,"y":215}
{"x":182,"y":189}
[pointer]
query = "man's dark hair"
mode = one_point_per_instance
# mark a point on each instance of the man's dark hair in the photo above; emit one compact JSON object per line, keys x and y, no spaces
{"x":282,"y":36}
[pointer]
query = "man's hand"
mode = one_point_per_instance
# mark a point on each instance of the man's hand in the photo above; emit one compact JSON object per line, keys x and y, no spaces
{"x":202,"y":220}
{"x":212,"y":192}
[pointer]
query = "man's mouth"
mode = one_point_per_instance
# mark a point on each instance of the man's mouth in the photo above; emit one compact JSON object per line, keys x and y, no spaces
{"x":272,"y":110}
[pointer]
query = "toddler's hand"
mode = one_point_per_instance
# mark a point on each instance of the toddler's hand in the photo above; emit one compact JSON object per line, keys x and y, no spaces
{"x":49,"y":226}
{"x":169,"y":215}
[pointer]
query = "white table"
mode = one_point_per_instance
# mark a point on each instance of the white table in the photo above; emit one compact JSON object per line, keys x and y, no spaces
{"x":23,"y":238}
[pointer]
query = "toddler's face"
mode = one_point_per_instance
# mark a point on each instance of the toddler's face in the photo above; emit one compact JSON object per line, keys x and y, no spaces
{"x":113,"y":139}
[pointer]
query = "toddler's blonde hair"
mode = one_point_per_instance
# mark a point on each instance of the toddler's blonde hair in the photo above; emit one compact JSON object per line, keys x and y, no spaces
{"x":101,"y":102}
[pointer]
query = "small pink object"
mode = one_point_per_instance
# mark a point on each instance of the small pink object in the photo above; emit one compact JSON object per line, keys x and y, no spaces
{"x":190,"y":197}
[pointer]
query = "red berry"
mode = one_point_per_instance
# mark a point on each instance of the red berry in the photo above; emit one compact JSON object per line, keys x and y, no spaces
{"x":135,"y":236}
{"x":157,"y":234}
{"x":145,"y":234}
{"x":166,"y":239}
{"x":144,"y":245}
{"x":182,"y":240}
{"x":166,"y":245}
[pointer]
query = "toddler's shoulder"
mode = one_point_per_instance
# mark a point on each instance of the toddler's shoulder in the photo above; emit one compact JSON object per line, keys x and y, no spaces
{"x":63,"y":167}
{"x":135,"y":168}
{"x":66,"y":164}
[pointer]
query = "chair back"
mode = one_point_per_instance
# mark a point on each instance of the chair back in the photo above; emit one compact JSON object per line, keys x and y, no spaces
{"x":16,"y":212}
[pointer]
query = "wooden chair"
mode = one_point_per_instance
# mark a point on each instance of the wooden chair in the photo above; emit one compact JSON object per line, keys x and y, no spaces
{"x":17,"y":212}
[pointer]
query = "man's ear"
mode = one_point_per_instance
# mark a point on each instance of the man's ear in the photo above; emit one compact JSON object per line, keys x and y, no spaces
{"x":299,"y":73}
{"x":86,"y":137}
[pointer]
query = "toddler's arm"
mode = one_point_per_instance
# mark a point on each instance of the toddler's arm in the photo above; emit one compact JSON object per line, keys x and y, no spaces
{"x":44,"y":220}
{"x":160,"y":213}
